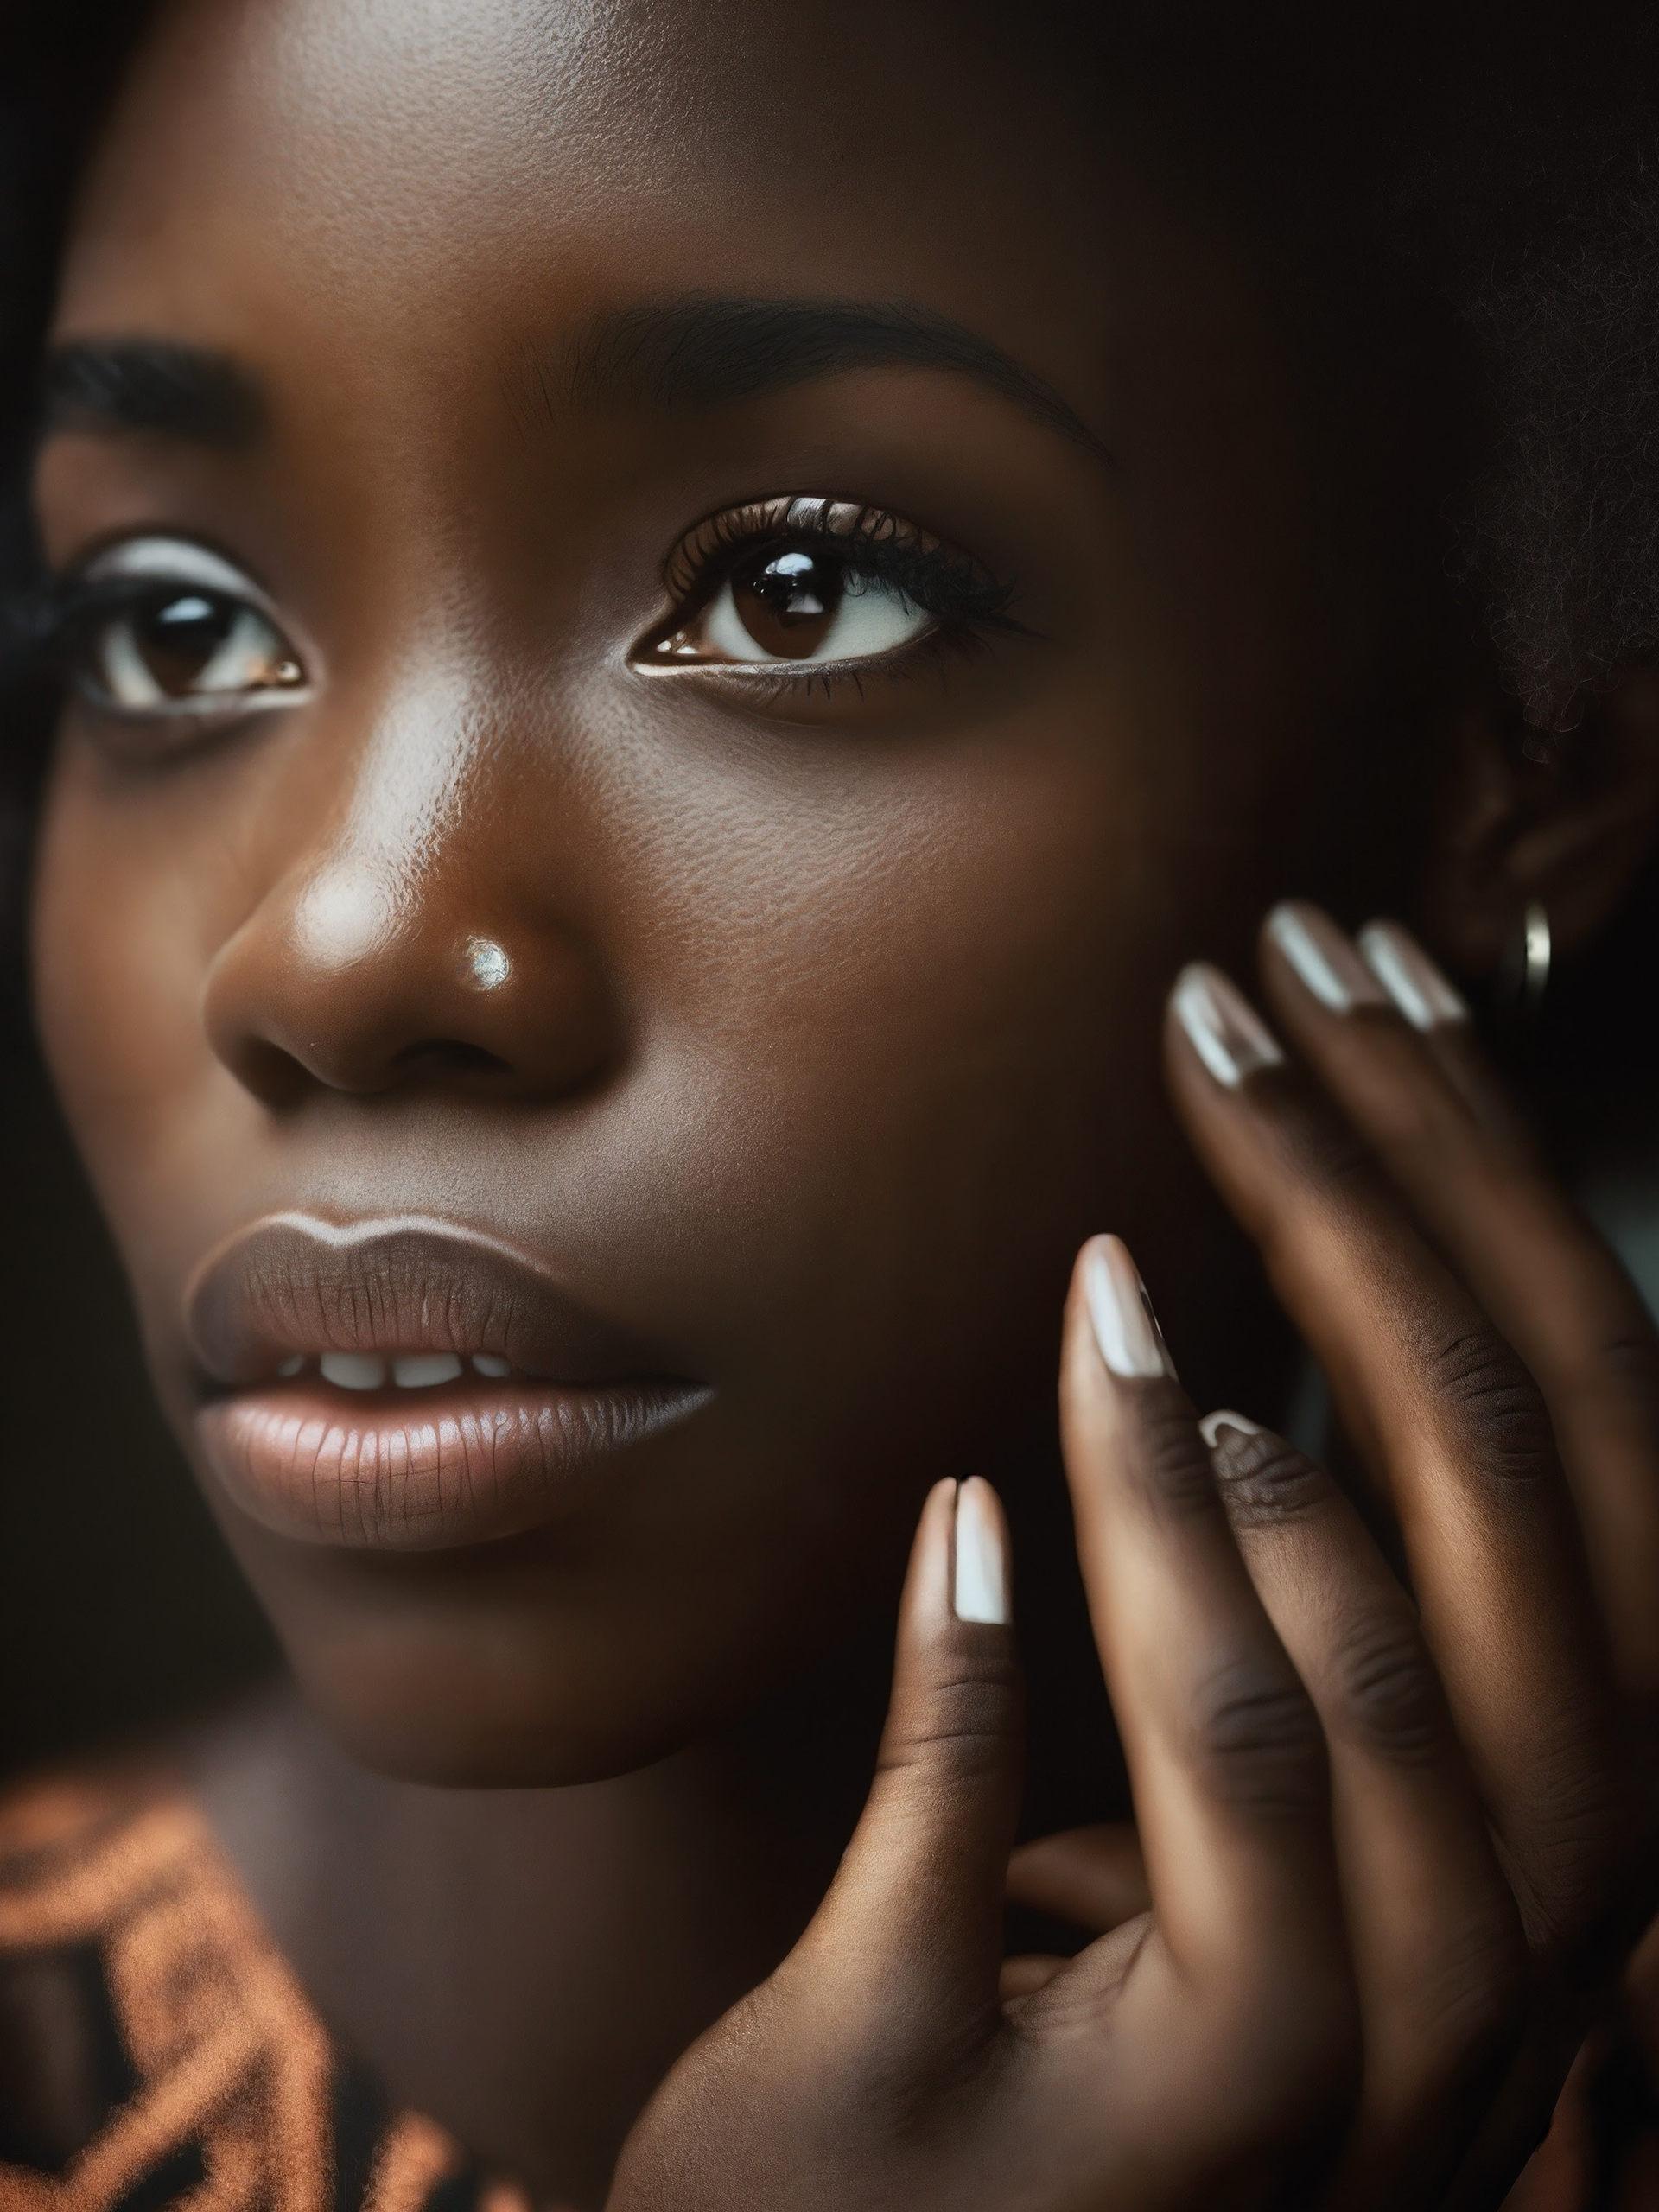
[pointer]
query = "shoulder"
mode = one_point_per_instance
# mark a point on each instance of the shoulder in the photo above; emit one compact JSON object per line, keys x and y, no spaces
{"x":153,"y":2043}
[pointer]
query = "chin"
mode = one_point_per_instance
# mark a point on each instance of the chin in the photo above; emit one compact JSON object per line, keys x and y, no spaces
{"x":521,"y":1698}
{"x":482,"y":1740}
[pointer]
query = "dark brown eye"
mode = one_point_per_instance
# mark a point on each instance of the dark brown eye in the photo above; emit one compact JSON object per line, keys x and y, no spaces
{"x":787,"y":602}
{"x":170,"y":648}
{"x":798,"y":603}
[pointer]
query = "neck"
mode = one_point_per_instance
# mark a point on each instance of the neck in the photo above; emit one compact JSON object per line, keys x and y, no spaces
{"x":524,"y":1965}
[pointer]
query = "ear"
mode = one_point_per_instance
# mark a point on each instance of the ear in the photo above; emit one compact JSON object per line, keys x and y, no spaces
{"x":1524,"y":815}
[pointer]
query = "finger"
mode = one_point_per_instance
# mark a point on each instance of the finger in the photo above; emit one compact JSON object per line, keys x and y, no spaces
{"x":1095,"y":1876}
{"x":1427,"y":1104}
{"x":1027,"y":1972}
{"x":1438,"y":1012}
{"x":1440,"y":1957}
{"x":1224,"y":1748}
{"x":907,"y":1945}
{"x":1447,"y":1416}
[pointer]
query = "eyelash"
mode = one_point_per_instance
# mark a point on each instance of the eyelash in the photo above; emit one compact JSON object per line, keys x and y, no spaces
{"x":966,"y":603}
{"x":72,"y":626}
{"x":50,"y":623}
{"x":42,"y":624}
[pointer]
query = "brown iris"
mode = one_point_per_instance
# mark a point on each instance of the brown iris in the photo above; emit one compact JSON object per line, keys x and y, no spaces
{"x":788,"y":602}
{"x":178,"y":639}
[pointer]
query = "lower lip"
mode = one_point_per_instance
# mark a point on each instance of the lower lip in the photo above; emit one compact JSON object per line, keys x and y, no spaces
{"x":460,"y":1467}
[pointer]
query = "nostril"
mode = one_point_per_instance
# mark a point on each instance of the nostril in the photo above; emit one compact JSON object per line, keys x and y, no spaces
{"x":447,"y":1056}
{"x":273,"y":1075}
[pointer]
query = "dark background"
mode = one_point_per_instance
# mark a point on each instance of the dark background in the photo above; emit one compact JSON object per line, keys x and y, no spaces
{"x":119,"y":1607}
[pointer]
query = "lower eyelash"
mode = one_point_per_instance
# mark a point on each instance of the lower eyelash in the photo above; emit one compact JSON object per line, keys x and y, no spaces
{"x":765,"y":682}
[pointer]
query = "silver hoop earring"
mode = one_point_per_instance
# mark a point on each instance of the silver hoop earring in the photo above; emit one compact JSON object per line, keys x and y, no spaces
{"x":1526,"y":966}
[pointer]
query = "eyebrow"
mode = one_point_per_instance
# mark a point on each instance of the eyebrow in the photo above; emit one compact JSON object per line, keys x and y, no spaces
{"x":111,"y":385}
{"x":698,"y":351}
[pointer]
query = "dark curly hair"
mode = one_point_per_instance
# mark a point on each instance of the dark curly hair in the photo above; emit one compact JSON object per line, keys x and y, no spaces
{"x":1493,"y":185}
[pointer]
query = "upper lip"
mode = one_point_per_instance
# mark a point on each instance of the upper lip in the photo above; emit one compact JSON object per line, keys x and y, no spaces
{"x":295,"y":1283}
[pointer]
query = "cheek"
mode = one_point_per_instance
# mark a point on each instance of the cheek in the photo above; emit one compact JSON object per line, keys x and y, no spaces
{"x":122,"y":910}
{"x":925,"y":1012}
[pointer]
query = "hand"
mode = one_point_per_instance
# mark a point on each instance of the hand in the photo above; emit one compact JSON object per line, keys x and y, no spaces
{"x":1391,"y":1853}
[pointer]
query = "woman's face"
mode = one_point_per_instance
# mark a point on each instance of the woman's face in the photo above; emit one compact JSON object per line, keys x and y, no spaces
{"x":649,"y":982}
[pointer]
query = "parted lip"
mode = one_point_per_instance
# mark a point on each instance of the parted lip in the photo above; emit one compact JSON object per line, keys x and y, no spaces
{"x":294,"y":1283}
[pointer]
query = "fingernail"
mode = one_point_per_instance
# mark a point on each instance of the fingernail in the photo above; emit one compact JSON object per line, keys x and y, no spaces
{"x":1410,"y":977}
{"x":1322,"y":956}
{"x":1126,"y":1329}
{"x":1210,"y":1426}
{"x":982,"y":1587}
{"x":1222,"y":1027}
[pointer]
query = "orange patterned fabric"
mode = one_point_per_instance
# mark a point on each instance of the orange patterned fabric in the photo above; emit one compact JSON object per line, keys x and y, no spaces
{"x":236,"y":2099}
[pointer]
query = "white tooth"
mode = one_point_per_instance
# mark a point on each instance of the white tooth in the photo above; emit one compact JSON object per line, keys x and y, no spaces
{"x":418,"y":1370}
{"x":353,"y":1370}
{"x":487,"y":1363}
{"x":292,"y":1366}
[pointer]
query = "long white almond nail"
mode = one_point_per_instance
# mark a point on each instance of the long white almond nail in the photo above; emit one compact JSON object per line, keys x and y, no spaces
{"x":1130,"y":1341}
{"x":1222,"y":1027}
{"x":982,"y":1584}
{"x":1323,"y":958}
{"x":1210,"y":1426}
{"x":1410,"y":977}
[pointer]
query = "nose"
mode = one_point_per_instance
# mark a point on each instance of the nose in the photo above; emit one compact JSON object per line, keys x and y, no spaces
{"x":362,"y":971}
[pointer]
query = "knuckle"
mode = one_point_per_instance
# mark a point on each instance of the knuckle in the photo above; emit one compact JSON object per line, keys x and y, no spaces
{"x":1323,"y":1151}
{"x":1170,"y":1459}
{"x":1474,"y":2004}
{"x":1384,"y":1695}
{"x":966,"y":1722}
{"x":1264,"y":1481}
{"x":1322,"y":1165}
{"x":1258,"y":1740}
{"x":1576,"y":1843}
{"x":1495,"y":1404}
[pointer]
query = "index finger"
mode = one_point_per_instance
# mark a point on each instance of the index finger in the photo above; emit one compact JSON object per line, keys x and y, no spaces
{"x":1225,"y":1749}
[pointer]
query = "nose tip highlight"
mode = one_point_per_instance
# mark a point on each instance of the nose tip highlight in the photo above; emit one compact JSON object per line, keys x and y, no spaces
{"x":494,"y":1012}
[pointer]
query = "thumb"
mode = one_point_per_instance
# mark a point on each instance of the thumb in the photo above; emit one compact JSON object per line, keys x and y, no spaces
{"x":907,"y":1946}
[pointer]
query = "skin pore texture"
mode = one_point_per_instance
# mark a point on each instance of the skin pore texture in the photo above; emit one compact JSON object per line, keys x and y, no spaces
{"x":777,"y":1040}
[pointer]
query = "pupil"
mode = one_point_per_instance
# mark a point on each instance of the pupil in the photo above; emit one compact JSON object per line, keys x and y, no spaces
{"x":179,"y":637}
{"x":788,"y":602}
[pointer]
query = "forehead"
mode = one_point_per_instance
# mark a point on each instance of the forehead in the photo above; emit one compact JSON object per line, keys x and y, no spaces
{"x":476,"y":164}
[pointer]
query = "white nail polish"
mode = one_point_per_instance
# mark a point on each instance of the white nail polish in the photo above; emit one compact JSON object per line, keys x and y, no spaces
{"x":1410,"y":977}
{"x":1212,"y":1424}
{"x":1130,"y":1341}
{"x":420,"y":1371}
{"x":353,"y":1370}
{"x":981,"y":1581}
{"x":1323,"y":958}
{"x":1222,"y":1027}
